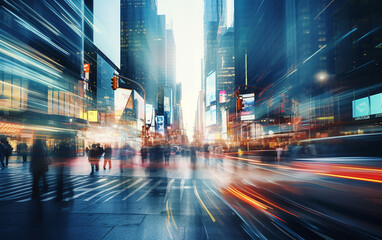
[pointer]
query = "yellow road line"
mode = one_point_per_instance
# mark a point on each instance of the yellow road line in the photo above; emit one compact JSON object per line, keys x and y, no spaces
{"x":212,"y":202}
{"x":202,"y":204}
{"x":168,"y":220}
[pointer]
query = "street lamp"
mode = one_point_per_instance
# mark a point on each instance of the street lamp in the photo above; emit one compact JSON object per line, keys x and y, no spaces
{"x":322,"y":76}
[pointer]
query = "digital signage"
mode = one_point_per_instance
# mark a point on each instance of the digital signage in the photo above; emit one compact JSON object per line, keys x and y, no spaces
{"x":211,"y":116}
{"x":140,"y":107}
{"x":361,"y":107}
{"x":376,"y":104}
{"x":93,"y":116}
{"x":159,"y":126}
{"x":121,"y":102}
{"x":248,"y":110}
{"x":149,"y":114}
{"x":211,"y":88}
{"x":222,"y":96}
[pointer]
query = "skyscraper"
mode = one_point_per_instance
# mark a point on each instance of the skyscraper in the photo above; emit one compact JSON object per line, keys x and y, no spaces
{"x":138,"y":48}
{"x":260,"y":58}
{"x":170,"y":58}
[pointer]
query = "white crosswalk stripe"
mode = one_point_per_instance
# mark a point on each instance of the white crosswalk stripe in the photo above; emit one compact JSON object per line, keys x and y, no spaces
{"x":92,"y":190}
{"x":136,"y":190}
{"x":105,"y":190}
{"x":87,"y":191}
{"x":150,"y":189}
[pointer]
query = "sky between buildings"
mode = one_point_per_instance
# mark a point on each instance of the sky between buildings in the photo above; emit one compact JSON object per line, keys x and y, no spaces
{"x":186,"y":17}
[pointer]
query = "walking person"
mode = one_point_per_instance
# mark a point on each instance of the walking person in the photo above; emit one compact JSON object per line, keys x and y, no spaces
{"x":87,"y":151}
{"x":107,"y":157}
{"x":23,"y":149}
{"x":2,"y":152}
{"x":8,"y":152}
{"x":92,"y":157}
{"x":144,"y":153}
{"x":62,"y":157}
{"x":124,"y":155}
{"x":100,"y":152}
{"x":279,"y":152}
{"x":167,"y":153}
{"x":38,"y":167}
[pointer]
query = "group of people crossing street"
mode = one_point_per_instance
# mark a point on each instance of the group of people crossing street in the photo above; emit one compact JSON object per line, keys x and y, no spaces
{"x":95,"y":154}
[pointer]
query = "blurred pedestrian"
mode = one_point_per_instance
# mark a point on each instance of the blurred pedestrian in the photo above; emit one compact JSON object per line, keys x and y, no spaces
{"x":279,"y":152}
{"x":63,"y":153}
{"x":87,"y":151}
{"x":93,"y":158}
{"x":144,"y":153}
{"x":100,"y":152}
{"x":2,"y":152}
{"x":8,"y":152}
{"x":23,"y":149}
{"x":167,"y":153}
{"x":38,"y":167}
{"x":107,"y":156}
{"x":123,"y":155}
{"x":193,"y":156}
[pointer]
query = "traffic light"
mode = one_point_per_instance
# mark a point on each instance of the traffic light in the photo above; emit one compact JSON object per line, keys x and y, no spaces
{"x":239,"y":103}
{"x":114,"y":83}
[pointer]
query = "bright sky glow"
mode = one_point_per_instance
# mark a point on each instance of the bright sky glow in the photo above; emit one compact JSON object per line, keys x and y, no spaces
{"x":187,"y":22}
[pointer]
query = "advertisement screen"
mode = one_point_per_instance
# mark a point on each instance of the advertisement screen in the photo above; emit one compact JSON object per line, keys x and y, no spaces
{"x":222,"y":96}
{"x":248,"y":111}
{"x":211,"y":88}
{"x":167,"y":104}
{"x":211,"y":116}
{"x":159,"y":126}
{"x":149,"y":114}
{"x":93,"y":116}
{"x":376,"y":104}
{"x":140,"y":105}
{"x":121,"y":98}
{"x":361,"y":107}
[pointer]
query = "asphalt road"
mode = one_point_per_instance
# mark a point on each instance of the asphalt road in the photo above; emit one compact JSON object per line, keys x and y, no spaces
{"x":221,"y":197}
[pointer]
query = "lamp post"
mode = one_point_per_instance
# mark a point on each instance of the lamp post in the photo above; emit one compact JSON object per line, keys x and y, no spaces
{"x":126,"y":80}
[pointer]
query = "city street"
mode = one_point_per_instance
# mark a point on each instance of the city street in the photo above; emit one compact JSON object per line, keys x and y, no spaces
{"x":222,"y":197}
{"x":190,"y":119}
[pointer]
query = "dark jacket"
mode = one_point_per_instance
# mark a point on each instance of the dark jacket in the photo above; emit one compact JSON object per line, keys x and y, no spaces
{"x":39,"y":159}
{"x":108,"y":152}
{"x":8,"y":150}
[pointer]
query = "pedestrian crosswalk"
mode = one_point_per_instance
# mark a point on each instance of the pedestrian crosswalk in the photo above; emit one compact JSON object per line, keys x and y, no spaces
{"x":18,"y":188}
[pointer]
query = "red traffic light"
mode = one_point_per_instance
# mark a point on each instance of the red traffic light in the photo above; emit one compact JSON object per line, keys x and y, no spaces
{"x":114,"y":83}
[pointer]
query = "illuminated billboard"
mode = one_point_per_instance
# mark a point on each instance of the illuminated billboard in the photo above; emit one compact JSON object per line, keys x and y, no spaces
{"x":222,"y":96}
{"x":211,"y":116}
{"x":210,"y":88}
{"x":248,"y":110}
{"x":361,"y":107}
{"x":376,"y":104}
{"x":159,"y":126}
{"x":140,"y":108}
{"x":93,"y":116}
{"x":149,"y":114}
{"x":121,"y":102}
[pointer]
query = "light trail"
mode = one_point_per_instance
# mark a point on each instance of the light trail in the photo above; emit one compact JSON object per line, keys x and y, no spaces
{"x":351,"y":177}
{"x":323,"y":9}
{"x":252,"y":202}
